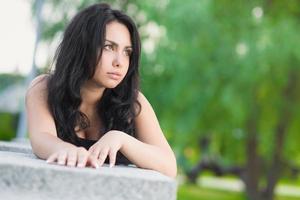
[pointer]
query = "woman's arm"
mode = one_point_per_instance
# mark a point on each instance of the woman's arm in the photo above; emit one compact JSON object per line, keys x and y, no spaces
{"x":41,"y":126}
{"x":149,"y":156}
{"x":150,"y":150}
{"x":42,"y":131}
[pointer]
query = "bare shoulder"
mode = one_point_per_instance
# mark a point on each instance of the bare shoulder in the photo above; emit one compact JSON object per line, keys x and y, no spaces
{"x":37,"y":87}
{"x":147,"y":126}
{"x":145,"y":105}
{"x":142,"y":99}
{"x":146,"y":108}
{"x":39,"y":82}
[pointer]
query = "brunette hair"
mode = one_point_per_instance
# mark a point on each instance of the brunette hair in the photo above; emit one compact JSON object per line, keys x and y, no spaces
{"x":76,"y":59}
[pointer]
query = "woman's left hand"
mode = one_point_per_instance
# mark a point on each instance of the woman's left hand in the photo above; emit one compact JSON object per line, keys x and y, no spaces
{"x":108,"y":145}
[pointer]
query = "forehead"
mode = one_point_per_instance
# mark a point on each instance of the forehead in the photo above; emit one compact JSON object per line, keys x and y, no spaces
{"x":118,"y":33}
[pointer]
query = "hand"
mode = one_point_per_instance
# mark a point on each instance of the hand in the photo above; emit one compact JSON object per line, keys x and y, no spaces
{"x":108,"y":145}
{"x":73,"y":156}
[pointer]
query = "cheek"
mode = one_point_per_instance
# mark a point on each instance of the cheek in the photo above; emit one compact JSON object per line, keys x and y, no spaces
{"x":106,"y":58}
{"x":99,"y":71}
{"x":126,"y":69}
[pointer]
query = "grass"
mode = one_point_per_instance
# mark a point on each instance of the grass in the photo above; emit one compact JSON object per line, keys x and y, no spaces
{"x":193,"y":192}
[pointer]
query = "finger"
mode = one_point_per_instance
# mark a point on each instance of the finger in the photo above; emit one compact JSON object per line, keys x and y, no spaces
{"x":52,"y":158}
{"x":62,"y":156}
{"x":91,"y":149}
{"x":82,"y":157}
{"x":102,"y":156}
{"x":93,"y":162}
{"x":72,"y":158}
{"x":112,"y":158}
{"x":95,"y":151}
{"x":93,"y":157}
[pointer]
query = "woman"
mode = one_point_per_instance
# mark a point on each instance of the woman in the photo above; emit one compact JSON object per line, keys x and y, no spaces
{"x":90,"y":110}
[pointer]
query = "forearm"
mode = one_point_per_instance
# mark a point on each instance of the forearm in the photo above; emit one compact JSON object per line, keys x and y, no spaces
{"x":149,"y":156}
{"x":45,"y":144}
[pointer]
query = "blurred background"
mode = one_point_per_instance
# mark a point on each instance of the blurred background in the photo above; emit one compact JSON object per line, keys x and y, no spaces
{"x":223,"y":77}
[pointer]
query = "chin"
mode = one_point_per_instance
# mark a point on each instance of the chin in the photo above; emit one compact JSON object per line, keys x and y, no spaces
{"x":111,"y":86}
{"x":113,"y":83}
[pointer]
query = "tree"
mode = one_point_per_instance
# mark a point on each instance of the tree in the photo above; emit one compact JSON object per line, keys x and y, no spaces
{"x":232,"y":73}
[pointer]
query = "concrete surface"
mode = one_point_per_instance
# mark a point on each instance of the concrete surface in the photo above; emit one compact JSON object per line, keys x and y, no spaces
{"x":23,"y":176}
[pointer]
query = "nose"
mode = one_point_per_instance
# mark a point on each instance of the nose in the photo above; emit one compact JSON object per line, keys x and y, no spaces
{"x":117,"y":62}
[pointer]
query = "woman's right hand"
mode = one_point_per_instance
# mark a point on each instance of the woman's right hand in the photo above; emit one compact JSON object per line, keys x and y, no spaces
{"x":73,"y":157}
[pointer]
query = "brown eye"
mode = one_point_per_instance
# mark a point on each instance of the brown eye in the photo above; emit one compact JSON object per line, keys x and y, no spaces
{"x":128,"y":52}
{"x":108,"y":47}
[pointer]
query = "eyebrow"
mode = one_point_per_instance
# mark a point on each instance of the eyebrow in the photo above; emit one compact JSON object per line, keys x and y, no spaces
{"x":115,"y":44}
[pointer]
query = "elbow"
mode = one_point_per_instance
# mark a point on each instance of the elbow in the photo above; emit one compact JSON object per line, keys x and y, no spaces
{"x":35,"y":148}
{"x":172,"y":173}
{"x":172,"y":169}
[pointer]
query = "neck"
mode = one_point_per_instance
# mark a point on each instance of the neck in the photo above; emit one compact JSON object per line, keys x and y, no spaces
{"x":90,"y":94}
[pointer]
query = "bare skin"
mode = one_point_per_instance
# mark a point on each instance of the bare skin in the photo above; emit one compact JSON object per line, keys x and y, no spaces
{"x":149,"y":150}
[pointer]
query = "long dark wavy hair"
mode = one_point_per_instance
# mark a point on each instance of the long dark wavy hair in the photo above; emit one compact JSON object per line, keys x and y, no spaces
{"x":76,"y":59}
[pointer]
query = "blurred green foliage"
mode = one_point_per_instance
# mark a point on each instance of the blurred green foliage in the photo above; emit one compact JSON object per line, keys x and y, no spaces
{"x":9,"y":79}
{"x":7,"y":126}
{"x":192,"y":192}
{"x":8,"y":121}
{"x":217,"y":60}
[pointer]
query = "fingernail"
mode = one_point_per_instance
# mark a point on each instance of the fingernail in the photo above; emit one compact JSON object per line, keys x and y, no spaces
{"x":97,"y":166}
{"x":110,"y":165}
{"x":47,"y":161}
{"x":80,"y":165}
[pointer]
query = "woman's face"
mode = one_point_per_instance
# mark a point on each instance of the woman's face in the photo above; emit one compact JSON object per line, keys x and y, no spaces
{"x":114,"y":62}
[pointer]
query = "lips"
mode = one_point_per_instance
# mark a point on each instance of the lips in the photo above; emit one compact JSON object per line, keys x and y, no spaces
{"x":114,"y":75}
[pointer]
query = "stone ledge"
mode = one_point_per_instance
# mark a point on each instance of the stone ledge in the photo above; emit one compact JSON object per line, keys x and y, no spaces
{"x":22,"y":147}
{"x":23,"y":176}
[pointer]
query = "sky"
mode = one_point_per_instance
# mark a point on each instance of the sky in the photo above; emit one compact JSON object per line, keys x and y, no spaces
{"x":16,"y":36}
